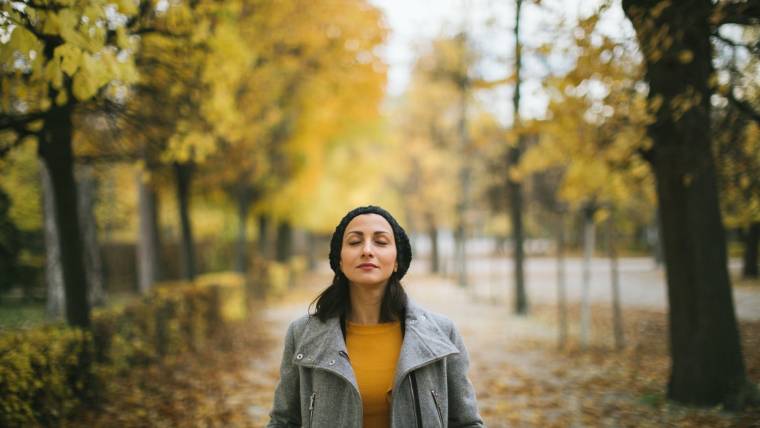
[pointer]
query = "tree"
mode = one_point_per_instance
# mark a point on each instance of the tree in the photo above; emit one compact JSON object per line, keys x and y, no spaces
{"x":515,"y":190}
{"x":52,"y":61}
{"x":451,"y":65}
{"x":591,"y":142}
{"x":674,"y":38}
{"x":426,"y":127}
{"x":10,"y":245}
{"x":737,"y":126}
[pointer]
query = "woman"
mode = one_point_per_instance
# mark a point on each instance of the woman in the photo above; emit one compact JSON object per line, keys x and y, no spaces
{"x":368,"y":356}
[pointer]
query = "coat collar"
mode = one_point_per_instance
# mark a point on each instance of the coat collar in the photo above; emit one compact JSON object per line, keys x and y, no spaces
{"x":322,"y":345}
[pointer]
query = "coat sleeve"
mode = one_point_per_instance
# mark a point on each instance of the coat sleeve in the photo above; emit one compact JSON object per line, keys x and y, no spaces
{"x":286,"y":411}
{"x":463,"y":406}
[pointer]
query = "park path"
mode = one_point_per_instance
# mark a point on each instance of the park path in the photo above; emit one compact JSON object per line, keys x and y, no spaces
{"x":520,"y":377}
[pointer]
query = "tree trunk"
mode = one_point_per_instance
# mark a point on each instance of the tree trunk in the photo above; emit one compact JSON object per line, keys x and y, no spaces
{"x":56,"y":297}
{"x":515,"y":186}
{"x":244,"y":198}
{"x":55,"y":149}
{"x":148,"y":239}
{"x":284,"y":242}
{"x":435,"y":266}
{"x":657,"y":240}
{"x":460,"y":251}
{"x":86,"y":190}
{"x":265,"y":240}
{"x":751,"y":241}
{"x":183,"y":173}
{"x":463,"y":205}
{"x":707,"y":363}
{"x":589,"y":235}
{"x":311,"y":251}
{"x":561,"y":282}
{"x":617,"y":314}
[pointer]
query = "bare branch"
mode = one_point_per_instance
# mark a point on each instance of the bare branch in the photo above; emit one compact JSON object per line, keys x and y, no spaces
{"x":743,"y":106}
{"x":18,"y":121}
{"x":753,"y":48}
{"x":737,"y":12}
{"x":21,"y":134}
{"x":40,"y":6}
{"x":108,"y":158}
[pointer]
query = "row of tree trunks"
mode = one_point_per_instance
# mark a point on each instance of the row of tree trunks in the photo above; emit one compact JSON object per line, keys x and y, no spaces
{"x":589,"y":245}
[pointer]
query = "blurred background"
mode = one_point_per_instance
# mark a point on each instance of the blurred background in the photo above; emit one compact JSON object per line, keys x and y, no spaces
{"x":580,"y":180}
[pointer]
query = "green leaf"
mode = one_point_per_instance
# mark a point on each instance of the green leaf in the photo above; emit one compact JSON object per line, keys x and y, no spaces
{"x":70,"y":57}
{"x":86,"y":81}
{"x":53,"y":74}
{"x":52,"y":24}
{"x":23,"y":41}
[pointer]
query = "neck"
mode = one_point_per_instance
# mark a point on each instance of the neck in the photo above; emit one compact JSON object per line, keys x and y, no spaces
{"x":365,"y":303}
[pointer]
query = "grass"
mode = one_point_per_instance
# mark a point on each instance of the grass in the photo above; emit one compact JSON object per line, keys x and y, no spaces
{"x":19,"y":313}
{"x":15,"y":314}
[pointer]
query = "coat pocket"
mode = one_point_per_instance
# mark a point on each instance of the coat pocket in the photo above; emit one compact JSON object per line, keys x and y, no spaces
{"x":437,"y":402}
{"x":312,"y":403}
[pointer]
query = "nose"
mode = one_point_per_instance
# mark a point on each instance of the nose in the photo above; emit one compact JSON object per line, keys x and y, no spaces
{"x":367,"y":248}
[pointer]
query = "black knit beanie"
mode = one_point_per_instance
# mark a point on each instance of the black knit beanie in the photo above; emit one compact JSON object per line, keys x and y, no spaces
{"x":403,"y":248}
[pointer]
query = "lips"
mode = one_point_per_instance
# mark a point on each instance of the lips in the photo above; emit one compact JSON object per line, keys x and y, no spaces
{"x":366,"y":266}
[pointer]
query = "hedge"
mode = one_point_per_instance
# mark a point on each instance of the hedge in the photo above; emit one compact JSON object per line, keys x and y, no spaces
{"x":47,"y":373}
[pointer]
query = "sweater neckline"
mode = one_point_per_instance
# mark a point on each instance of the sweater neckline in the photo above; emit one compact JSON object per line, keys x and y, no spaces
{"x":366,"y":329}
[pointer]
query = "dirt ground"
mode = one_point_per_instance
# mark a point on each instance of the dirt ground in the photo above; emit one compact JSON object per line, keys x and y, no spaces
{"x":520,"y":376}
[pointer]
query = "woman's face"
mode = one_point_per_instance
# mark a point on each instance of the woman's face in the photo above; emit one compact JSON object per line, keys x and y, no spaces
{"x":368,"y":251}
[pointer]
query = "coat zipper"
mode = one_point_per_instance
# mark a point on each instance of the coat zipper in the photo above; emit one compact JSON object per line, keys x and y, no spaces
{"x":415,"y":396}
{"x":311,"y":407}
{"x":437,"y":406}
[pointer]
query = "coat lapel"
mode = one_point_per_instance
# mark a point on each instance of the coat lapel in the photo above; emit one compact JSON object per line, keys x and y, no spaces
{"x":423,"y":343}
{"x":322,"y":346}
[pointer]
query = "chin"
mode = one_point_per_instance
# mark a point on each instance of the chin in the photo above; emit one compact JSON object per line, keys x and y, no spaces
{"x":369,"y":283}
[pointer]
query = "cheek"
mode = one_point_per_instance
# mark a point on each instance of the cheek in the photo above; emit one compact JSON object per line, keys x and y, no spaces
{"x":390,"y":256}
{"x":349,"y":253}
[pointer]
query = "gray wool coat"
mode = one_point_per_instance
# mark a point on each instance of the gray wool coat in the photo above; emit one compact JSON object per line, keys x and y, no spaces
{"x":318,"y":389}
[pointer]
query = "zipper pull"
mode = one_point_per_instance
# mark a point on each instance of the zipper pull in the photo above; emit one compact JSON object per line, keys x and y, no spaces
{"x":311,"y":402}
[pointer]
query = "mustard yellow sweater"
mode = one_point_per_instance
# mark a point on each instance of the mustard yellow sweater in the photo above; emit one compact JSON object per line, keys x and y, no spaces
{"x":373,"y":351}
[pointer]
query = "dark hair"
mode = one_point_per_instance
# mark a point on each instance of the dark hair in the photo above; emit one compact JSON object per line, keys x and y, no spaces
{"x":335,"y":300}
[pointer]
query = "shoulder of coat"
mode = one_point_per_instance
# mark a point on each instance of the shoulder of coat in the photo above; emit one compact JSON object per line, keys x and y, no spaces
{"x":298,"y":324}
{"x":442,"y":321}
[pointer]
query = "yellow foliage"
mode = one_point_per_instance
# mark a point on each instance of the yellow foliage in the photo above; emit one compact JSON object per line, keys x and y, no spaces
{"x":76,"y":51}
{"x":597,"y":125}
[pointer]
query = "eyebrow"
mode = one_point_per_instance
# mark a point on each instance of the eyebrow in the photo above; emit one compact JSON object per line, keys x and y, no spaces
{"x":377,"y":232}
